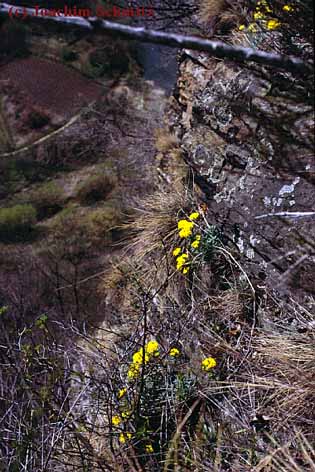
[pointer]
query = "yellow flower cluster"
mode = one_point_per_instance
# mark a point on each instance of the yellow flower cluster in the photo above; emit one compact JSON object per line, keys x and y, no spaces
{"x":123,"y":437}
{"x":181,"y":261}
{"x":261,"y":12}
{"x":287,"y":8}
{"x":174,"y":352}
{"x":196,"y":242}
{"x":141,"y":357}
{"x":152,"y":348}
{"x":208,"y":364}
{"x":149,"y":448}
{"x":122,"y":392}
{"x":185,"y":228}
{"x":116,"y":420}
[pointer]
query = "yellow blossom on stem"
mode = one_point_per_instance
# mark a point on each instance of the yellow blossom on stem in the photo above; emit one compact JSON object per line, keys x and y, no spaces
{"x":185,"y":228}
{"x":194,"y":216}
{"x":126,"y":414}
{"x":195,"y":244}
{"x":258,"y":15}
{"x":116,"y":420}
{"x":273,"y":24}
{"x":134,"y":371}
{"x":174,"y":352}
{"x":140,"y":357}
{"x":123,"y":437}
{"x":176,"y":251}
{"x":181,"y":260}
{"x":287,"y":8}
{"x":185,"y":270}
{"x":152,"y":348}
{"x":122,"y":392}
{"x":149,"y":448}
{"x":208,"y":364}
{"x":241,"y":27}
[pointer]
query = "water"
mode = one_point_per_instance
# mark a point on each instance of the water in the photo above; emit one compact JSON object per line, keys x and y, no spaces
{"x":159,"y":64}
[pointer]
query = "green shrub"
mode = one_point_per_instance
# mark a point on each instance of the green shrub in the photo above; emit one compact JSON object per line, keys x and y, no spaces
{"x":16,"y":222}
{"x":107,"y":62}
{"x":101,"y":224}
{"x":47,"y":199}
{"x":95,"y":188}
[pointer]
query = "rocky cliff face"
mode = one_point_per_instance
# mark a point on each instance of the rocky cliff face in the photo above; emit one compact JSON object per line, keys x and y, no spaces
{"x":248,"y":134}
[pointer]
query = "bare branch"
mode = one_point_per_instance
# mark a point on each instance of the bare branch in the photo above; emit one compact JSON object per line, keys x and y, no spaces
{"x":290,"y":214}
{"x":215,"y":48}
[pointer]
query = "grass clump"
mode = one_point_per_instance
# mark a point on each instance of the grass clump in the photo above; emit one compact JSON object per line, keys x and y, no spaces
{"x":102,"y":223}
{"x":83,"y":228}
{"x":95,"y":188}
{"x":17,"y":222}
{"x":47,"y":199}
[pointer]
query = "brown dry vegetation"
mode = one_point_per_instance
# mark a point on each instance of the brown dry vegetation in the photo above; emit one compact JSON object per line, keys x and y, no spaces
{"x":74,"y":311}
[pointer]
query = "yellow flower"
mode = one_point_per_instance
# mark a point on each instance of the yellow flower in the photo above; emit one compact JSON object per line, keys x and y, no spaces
{"x":116,"y":420}
{"x":174,"y":352}
{"x":258,"y":15}
{"x":265,"y":5}
{"x":139,"y":358}
{"x":208,"y":363}
{"x":185,"y":270}
{"x":181,"y":260}
{"x":149,"y":448}
{"x":287,"y":8}
{"x":152,"y":348}
{"x":195,"y":244}
{"x":122,"y":392}
{"x":133,"y":371}
{"x":123,"y":437}
{"x":185,"y":228}
{"x":126,"y":414}
{"x":176,"y":251}
{"x":182,"y":223}
{"x":273,"y":24}
{"x":241,"y":27}
{"x":194,"y":216}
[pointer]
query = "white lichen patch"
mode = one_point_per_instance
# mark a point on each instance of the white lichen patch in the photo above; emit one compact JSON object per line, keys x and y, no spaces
{"x":250,"y":254}
{"x":276,"y":202}
{"x":254,"y":241}
{"x":267,"y":201}
{"x":287,"y":189}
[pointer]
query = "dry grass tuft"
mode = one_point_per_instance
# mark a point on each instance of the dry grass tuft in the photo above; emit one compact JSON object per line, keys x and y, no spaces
{"x":226,"y":15}
{"x":210,"y":8}
{"x":288,"y":362}
{"x":227,"y":305}
{"x":282,"y":459}
{"x":164,"y":140}
{"x":155,"y":223}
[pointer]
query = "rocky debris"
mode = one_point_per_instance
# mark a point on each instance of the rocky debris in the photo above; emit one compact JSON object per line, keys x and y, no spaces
{"x":247,"y":132}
